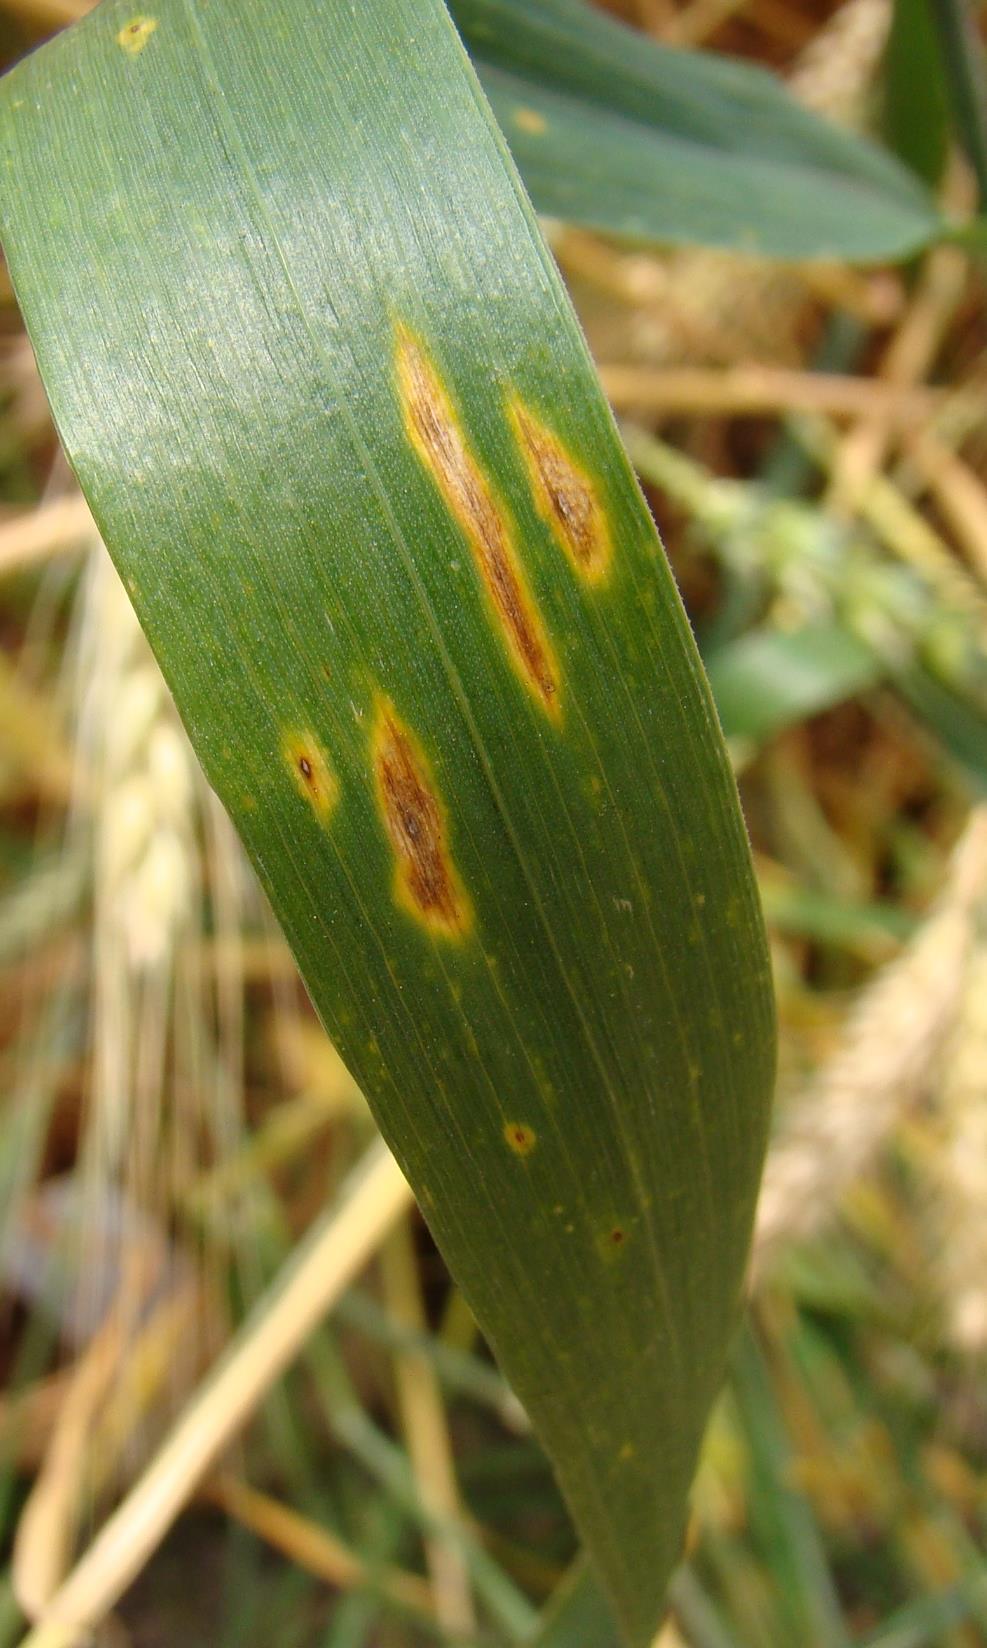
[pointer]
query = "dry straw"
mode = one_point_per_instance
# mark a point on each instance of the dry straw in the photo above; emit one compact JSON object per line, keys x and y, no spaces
{"x":150,"y":1098}
{"x":892,"y":1042}
{"x":331,"y":1255}
{"x":959,"y":1164}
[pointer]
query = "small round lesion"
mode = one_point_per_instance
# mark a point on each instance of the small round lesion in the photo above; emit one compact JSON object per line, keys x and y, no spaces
{"x":530,"y":121}
{"x":611,"y":1242}
{"x":520,"y":1138}
{"x":311,"y":772}
{"x":134,"y":36}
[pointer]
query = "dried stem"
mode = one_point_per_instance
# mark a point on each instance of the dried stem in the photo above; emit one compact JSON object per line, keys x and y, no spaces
{"x":334,"y":1251}
{"x":898,"y":1030}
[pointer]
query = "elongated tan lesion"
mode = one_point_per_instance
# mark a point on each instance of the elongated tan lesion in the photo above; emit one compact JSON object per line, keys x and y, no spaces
{"x":438,"y":438}
{"x":425,"y":880}
{"x":565,"y":496}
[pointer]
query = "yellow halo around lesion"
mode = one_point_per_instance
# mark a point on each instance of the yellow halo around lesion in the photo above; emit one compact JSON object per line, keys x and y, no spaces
{"x":311,"y":771}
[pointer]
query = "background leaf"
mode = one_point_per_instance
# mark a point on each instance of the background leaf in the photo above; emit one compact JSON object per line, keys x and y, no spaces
{"x":770,"y":679}
{"x":612,"y":130}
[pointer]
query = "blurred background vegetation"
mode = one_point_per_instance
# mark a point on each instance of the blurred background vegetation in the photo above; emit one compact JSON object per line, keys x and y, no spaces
{"x":813,"y":442}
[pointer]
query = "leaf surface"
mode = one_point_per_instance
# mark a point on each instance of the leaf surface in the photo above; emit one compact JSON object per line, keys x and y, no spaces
{"x":316,"y":373}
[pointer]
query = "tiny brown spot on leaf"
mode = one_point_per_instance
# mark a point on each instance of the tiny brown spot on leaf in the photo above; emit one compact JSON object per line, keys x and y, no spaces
{"x":438,"y":438}
{"x":134,"y":36}
{"x":565,"y":496}
{"x":520,"y":1137}
{"x":310,"y":771}
{"x":426,"y":883}
{"x":611,"y":1242}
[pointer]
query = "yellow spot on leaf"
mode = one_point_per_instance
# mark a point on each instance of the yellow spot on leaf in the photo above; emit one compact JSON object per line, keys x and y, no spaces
{"x":530,"y":121}
{"x":311,"y":773}
{"x":565,"y":496}
{"x":520,"y":1137}
{"x":425,"y":882}
{"x":134,"y":36}
{"x":438,"y":438}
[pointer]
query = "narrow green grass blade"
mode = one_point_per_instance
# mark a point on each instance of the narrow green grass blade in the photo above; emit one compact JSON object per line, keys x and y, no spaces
{"x":916,"y":102}
{"x":578,"y":1612}
{"x":808,"y":1605}
{"x":317,"y":375}
{"x":612,"y":130}
{"x":962,"y":48}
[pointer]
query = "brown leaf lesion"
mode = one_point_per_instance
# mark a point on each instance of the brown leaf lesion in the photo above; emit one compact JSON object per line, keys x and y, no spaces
{"x":565,"y":496}
{"x":426,"y":882}
{"x":438,"y":438}
{"x":134,"y":36}
{"x":520,"y":1138}
{"x":311,"y":772}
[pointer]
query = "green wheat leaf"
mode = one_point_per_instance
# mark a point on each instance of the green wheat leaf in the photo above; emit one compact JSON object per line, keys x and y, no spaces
{"x":321,"y":385}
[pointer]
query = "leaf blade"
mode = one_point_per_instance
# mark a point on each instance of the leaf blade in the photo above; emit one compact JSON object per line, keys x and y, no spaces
{"x":318,"y":541}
